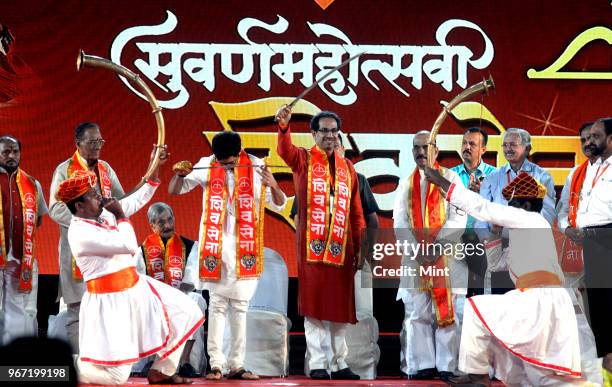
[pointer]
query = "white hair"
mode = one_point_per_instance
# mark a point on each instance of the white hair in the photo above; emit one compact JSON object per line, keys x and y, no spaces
{"x":158,"y":208}
{"x":522,"y":133}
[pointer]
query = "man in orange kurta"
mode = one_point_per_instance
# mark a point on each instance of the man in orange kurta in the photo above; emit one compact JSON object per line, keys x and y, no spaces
{"x":329,"y":236}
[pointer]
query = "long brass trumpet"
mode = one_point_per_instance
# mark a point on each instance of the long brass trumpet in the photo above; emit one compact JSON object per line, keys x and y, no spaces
{"x":96,"y":61}
{"x":482,"y":87}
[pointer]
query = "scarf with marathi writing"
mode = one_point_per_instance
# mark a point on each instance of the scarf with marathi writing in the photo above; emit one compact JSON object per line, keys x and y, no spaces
{"x":165,"y":263}
{"x":29,"y":207}
{"x":77,"y":163}
{"x":571,"y":251}
{"x":426,"y":226}
{"x":249,"y":226}
{"x":325,"y":240}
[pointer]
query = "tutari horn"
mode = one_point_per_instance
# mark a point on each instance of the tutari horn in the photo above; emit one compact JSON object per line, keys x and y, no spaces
{"x":481,"y":87}
{"x":96,"y":61}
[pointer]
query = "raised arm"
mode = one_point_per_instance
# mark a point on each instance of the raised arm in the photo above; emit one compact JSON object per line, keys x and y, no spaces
{"x":285,"y":148}
{"x":87,"y":239}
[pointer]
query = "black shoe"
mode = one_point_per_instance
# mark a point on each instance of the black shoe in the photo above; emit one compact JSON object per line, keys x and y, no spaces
{"x":445,"y":375}
{"x":186,"y":370}
{"x":145,"y":370}
{"x":424,"y":374}
{"x":467,"y":381}
{"x":344,"y":374}
{"x":319,"y":374}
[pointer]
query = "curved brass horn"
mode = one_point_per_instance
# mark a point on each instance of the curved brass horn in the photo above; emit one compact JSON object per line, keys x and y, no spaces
{"x":481,"y":87}
{"x":96,"y":61}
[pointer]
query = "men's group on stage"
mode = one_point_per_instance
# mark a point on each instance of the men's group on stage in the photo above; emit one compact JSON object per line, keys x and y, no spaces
{"x":133,"y":303}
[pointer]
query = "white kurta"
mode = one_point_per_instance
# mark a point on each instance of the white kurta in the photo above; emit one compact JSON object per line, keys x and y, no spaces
{"x":451,"y":232}
{"x":537,"y":325}
{"x":228,"y":286}
{"x":122,"y":327}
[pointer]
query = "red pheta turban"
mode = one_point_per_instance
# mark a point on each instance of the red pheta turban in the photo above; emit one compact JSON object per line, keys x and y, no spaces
{"x":524,"y":186}
{"x":76,"y":186}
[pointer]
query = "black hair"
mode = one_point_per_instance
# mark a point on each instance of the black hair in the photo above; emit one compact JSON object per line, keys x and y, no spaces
{"x":607,"y":123}
{"x":226,"y":144}
{"x":536,"y":204}
{"x":13,"y":139}
{"x":314,"y":122}
{"x":585,"y":126}
{"x":72,"y":204}
{"x":485,"y":136}
{"x":82,"y":127}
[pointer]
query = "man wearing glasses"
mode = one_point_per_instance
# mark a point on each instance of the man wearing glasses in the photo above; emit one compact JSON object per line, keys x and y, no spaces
{"x":89,"y":142}
{"x":329,"y":236}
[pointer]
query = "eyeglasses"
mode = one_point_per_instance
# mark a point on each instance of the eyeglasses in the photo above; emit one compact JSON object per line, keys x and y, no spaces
{"x":328,"y":131}
{"x":95,"y":143}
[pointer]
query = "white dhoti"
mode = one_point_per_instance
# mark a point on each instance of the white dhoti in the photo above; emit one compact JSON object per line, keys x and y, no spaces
{"x":17,"y":309}
{"x":325,"y":344}
{"x":149,"y":318}
{"x":424,"y":346}
{"x":528,"y":336}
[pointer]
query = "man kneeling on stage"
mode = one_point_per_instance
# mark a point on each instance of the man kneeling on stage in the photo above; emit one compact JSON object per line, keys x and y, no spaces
{"x":124,"y":316}
{"x":528,"y":335}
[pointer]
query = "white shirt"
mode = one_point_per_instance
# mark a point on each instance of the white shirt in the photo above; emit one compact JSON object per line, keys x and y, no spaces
{"x":563,"y":205}
{"x":595,"y":208}
{"x":228,"y":286}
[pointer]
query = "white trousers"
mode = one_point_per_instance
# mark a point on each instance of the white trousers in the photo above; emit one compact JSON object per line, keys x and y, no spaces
{"x":325,"y":344}
{"x":18,"y":310}
{"x":423,"y":344}
{"x":219,"y":311}
{"x":479,"y":350}
{"x":98,"y":374}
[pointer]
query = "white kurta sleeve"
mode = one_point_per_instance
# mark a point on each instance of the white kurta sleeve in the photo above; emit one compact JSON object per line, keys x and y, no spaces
{"x":90,"y":240}
{"x":197,"y":176}
{"x":496,"y":213}
{"x":191,"y":273}
{"x":134,"y":202}
{"x":58,"y":210}
{"x":563,"y":205}
{"x":140,"y":263}
{"x":456,"y":219}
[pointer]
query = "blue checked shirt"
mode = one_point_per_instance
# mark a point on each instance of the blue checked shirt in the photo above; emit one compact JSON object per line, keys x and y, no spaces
{"x":492,"y":186}
{"x":483,"y":169}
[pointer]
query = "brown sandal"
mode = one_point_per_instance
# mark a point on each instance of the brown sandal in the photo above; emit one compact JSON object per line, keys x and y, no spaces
{"x":242,"y":374}
{"x":156,"y":377}
{"x":214,"y":374}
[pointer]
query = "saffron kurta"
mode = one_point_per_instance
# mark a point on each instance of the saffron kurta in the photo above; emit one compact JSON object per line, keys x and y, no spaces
{"x":324,"y":292}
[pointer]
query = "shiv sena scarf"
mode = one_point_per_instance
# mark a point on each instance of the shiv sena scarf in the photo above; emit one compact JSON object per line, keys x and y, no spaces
{"x":325,"y":239}
{"x":426,"y":225}
{"x":249,"y":223}
{"x":77,"y":163}
{"x":165,"y":263}
{"x":29,"y":207}
{"x":570,"y":250}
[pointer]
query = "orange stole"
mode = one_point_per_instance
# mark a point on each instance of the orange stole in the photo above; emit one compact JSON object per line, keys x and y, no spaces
{"x":333,"y":250}
{"x":165,"y":263}
{"x":426,"y":227}
{"x":78,"y":164}
{"x":29,"y":207}
{"x":571,"y":252}
{"x":249,"y":225}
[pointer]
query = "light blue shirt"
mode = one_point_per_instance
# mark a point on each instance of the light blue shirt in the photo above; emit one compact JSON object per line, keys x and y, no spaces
{"x":483,"y":169}
{"x":492,"y":186}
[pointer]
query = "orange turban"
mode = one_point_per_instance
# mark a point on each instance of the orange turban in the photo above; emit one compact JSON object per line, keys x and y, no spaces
{"x":76,"y":186}
{"x":524,"y":186}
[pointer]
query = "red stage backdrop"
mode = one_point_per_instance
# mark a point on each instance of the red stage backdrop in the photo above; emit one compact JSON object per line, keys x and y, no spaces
{"x":229,"y":65}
